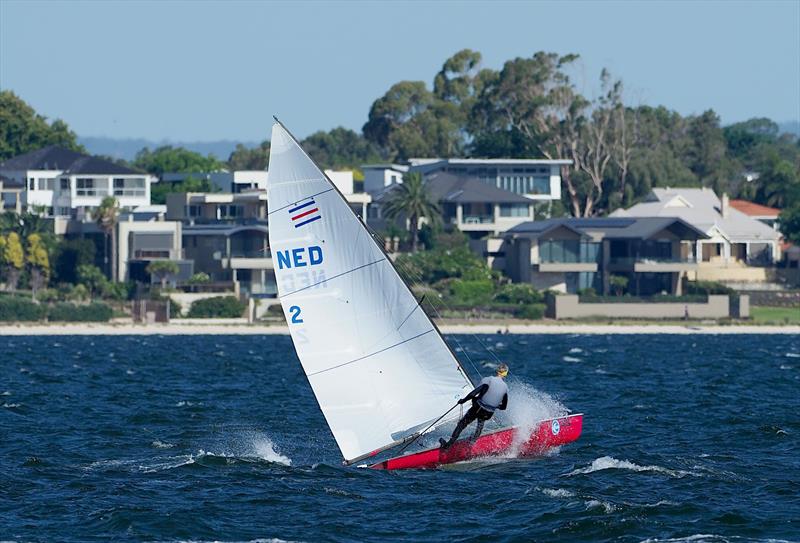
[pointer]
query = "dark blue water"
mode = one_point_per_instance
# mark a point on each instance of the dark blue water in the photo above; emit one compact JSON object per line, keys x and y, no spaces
{"x":693,"y":438}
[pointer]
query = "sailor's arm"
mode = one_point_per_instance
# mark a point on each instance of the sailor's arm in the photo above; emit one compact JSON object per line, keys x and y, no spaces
{"x":479,"y":391}
{"x":504,"y":403}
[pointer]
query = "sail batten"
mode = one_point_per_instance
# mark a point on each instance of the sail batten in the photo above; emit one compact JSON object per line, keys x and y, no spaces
{"x":337,"y":298}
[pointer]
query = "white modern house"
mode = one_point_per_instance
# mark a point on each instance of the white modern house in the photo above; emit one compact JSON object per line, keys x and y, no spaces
{"x":69,"y":184}
{"x":537,"y":179}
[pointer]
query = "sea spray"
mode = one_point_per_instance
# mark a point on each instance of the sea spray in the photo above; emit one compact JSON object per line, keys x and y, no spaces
{"x":528,"y":406}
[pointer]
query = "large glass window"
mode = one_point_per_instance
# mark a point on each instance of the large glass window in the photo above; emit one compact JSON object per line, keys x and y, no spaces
{"x":134,"y":186}
{"x":561,"y":251}
{"x":514,"y":210}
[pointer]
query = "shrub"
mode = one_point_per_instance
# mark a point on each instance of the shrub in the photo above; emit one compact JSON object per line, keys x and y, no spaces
{"x":472,"y":292}
{"x":94,"y":312}
{"x":14,"y":308}
{"x":275,"y":311}
{"x":618,"y":284}
{"x":48,"y":295}
{"x":531,"y":312}
{"x":587,"y":292}
{"x":707,"y":287}
{"x":199,"y":278}
{"x":219,"y":307}
{"x":116,"y":291}
{"x":518,"y":293}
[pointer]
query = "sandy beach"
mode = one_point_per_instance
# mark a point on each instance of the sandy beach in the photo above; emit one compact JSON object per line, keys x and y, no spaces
{"x":216,"y":328}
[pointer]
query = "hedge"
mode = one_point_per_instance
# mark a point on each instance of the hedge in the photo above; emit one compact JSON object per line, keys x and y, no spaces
{"x":94,"y":312}
{"x":14,"y":308}
{"x":219,"y":307}
{"x":531,"y":312}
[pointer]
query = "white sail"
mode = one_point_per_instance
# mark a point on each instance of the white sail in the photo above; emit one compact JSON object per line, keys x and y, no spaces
{"x":378,"y":367}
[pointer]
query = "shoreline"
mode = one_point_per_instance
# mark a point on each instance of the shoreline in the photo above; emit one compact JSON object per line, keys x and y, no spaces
{"x":176,"y":329}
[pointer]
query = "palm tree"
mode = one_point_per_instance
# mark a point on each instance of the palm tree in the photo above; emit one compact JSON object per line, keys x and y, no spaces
{"x":410,"y":200}
{"x":107,"y":218}
{"x":163,"y":269}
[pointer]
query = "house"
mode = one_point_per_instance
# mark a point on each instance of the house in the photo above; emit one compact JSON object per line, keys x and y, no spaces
{"x":145,"y":236}
{"x":538,"y":179}
{"x":473,"y":207}
{"x":734,"y":241}
{"x":226,"y":236}
{"x":654,"y":254}
{"x":68,"y":184}
{"x":224,"y":181}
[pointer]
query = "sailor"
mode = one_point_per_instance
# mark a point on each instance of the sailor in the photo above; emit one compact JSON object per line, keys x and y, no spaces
{"x":490,"y":394}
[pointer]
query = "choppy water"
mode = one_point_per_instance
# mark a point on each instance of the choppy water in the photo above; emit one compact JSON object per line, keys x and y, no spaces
{"x":686,"y":438}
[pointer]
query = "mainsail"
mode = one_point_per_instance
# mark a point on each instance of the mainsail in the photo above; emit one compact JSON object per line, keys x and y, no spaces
{"x":379,"y":368}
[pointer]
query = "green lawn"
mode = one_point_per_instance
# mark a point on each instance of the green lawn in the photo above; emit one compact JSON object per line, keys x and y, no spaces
{"x":776,"y":315}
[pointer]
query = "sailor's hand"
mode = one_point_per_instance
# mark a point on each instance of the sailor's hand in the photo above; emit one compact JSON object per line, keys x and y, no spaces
{"x":461,"y":401}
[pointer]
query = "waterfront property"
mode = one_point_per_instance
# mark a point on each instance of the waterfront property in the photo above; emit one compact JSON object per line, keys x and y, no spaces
{"x":475,"y":208}
{"x":538,"y":179}
{"x":653,"y":254}
{"x":10,"y":194}
{"x":736,"y":246}
{"x":69,"y":185}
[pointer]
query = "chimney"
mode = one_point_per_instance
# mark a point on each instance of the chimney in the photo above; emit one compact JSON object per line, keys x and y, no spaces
{"x":726,"y":204}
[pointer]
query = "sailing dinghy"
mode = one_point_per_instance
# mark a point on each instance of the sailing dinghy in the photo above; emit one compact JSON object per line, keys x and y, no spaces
{"x":380,"y":369}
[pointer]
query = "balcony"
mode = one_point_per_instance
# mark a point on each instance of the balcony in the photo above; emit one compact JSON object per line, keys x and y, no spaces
{"x":654,"y":264}
{"x":566,"y":267}
{"x":248,"y":260}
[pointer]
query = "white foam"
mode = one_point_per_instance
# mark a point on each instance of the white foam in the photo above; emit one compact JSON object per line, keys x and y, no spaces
{"x":526,"y":408}
{"x":265,"y":449}
{"x":161,"y":444}
{"x":570,"y":359}
{"x":557,"y":493}
{"x":792,"y":355}
{"x":596,"y":504}
{"x":575,"y":350}
{"x":608,"y":462}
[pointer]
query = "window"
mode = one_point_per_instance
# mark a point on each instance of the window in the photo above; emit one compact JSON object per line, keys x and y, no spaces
{"x":50,"y":184}
{"x":86,"y":187}
{"x":32,"y":184}
{"x":230,"y":211}
{"x":194,"y":211}
{"x":64,"y":183}
{"x":559,"y":251}
{"x":134,"y":186}
{"x":514,"y":210}
{"x":63,"y":212}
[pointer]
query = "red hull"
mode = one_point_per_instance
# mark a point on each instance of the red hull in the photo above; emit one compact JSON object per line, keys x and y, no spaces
{"x":548,"y":434}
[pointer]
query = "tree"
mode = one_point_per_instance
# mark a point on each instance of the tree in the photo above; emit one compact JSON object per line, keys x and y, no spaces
{"x":410,"y":200}
{"x":340,"y":148}
{"x":175,"y":159}
{"x":790,"y":223}
{"x":159,"y":191}
{"x":107,"y":216}
{"x":39,"y":262}
{"x":243,"y":158}
{"x":23,"y":130}
{"x":162,"y":269}
{"x":92,"y":277}
{"x":13,"y":259}
{"x":69,"y":255}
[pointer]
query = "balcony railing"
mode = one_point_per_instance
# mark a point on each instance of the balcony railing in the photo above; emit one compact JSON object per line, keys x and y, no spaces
{"x":631,"y":260}
{"x":478,"y":219}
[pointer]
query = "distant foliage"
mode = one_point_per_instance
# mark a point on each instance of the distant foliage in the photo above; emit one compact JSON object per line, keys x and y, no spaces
{"x":341,"y":148}
{"x":23,"y":130}
{"x":175,"y":159}
{"x":243,"y":158}
{"x":225,"y":307}
{"x":531,"y":312}
{"x":476,"y":292}
{"x":15,"y":308}
{"x":435,"y":265}
{"x":66,"y":312}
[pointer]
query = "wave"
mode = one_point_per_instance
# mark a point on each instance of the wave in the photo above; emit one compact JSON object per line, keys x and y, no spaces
{"x":712,"y":538}
{"x":571,"y":359}
{"x":608,"y":462}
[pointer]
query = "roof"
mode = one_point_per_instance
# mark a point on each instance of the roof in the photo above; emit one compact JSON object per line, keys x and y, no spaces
{"x":753,"y":209}
{"x":52,"y":157}
{"x":611,"y":227}
{"x":70,"y":162}
{"x":446,"y":187}
{"x":702,"y":209}
{"x":97,"y":165}
{"x":490,"y":161}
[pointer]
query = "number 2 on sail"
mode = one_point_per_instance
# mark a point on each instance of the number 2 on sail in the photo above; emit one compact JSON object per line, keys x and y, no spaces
{"x":295,"y":311}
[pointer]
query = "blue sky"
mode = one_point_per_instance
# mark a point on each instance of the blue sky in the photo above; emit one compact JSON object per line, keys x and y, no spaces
{"x":196,"y":71}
